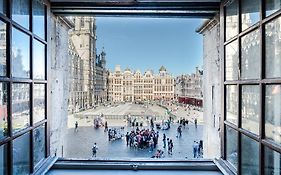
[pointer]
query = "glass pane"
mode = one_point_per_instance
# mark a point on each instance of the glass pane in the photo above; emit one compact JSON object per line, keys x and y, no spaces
{"x":250,"y":10}
{"x":231,"y":61}
{"x":20,"y":55}
{"x":272,"y":6}
{"x":39,"y":60}
{"x":39,"y":18}
{"x":21,"y":152}
{"x":273,"y":51}
{"x":3,"y":159}
{"x":272,"y":162}
{"x":3,"y":43}
{"x":250,"y":66}
{"x":20,"y":106}
{"x":231,"y":20}
{"x":249,"y":156}
{"x":21,"y":12}
{"x":273,"y":113}
{"x":250,"y":108}
{"x":231,"y":146}
{"x":39,"y":102}
{"x":232,"y":104}
{"x":39,"y":144}
{"x":3,"y":110}
{"x":3,"y":6}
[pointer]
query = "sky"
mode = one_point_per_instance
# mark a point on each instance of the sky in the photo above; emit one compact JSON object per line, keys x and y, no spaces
{"x":149,"y":43}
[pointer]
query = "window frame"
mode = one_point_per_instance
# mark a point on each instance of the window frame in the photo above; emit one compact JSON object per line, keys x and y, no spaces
{"x":262,"y":81}
{"x":8,"y":141}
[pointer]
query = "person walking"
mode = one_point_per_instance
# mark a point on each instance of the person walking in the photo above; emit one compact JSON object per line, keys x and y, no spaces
{"x":151,"y":123}
{"x":76,"y":126}
{"x":170,"y":147}
{"x":194,"y":146}
{"x":105,"y":126}
{"x":151,"y":144}
{"x":200,"y":147}
{"x":94,"y":150}
{"x":127,"y":138}
{"x":154,"y":138}
{"x":164,"y":140}
{"x":195,"y":122}
{"x":179,"y":131}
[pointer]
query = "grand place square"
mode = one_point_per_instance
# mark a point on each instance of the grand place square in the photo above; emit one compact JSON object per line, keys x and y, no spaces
{"x":116,"y":117}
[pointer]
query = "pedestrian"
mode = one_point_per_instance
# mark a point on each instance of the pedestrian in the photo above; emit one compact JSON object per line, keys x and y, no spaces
{"x":195,"y":122}
{"x":105,"y":126}
{"x":164,"y":140}
{"x":94,"y":150}
{"x":198,"y":149}
{"x":151,"y":123}
{"x":109,"y":134}
{"x":151,"y":145}
{"x":194,"y":146}
{"x":179,"y":131}
{"x":170,"y":147}
{"x":76,"y":126}
{"x":154,"y":141}
{"x":201,"y":148}
{"x":127,"y":138}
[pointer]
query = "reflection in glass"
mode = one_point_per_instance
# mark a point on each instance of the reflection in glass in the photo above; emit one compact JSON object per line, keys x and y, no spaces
{"x":231,"y":146}
{"x":20,"y":106}
{"x":3,"y":6}
{"x":250,"y":13}
{"x":3,"y":43}
{"x":273,"y":112}
{"x":231,"y":20}
{"x":273,"y":48}
{"x":250,"y":66}
{"x":3,"y":110}
{"x":231,"y":61}
{"x":21,"y":151}
{"x":39,"y":102}
{"x":39,"y":60}
{"x":38,"y":18}
{"x":21,"y":12}
{"x":232,"y":104}
{"x":272,"y":6}
{"x":20,"y":55}
{"x":39,"y":144}
{"x":3,"y":159}
{"x":272,"y":161}
{"x":250,"y":108}
{"x":249,"y":156}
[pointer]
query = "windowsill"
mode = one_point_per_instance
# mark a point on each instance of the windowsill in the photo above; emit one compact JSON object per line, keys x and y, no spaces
{"x":143,"y":166}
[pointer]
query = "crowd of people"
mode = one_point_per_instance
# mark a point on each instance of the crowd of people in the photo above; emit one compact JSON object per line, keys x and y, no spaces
{"x":144,"y":138}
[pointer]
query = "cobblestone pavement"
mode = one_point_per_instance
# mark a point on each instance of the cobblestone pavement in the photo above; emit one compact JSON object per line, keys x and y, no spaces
{"x":191,"y":114}
{"x":78,"y":144}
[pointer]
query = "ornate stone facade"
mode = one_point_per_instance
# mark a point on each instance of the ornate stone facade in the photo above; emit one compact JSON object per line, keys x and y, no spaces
{"x":100,"y":79}
{"x":82,"y":44}
{"x":189,"y":85}
{"x":134,"y":86}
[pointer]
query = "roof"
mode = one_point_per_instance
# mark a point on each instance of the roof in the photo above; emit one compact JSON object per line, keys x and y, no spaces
{"x":127,"y":69}
{"x":208,"y":24}
{"x":162,"y":68}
